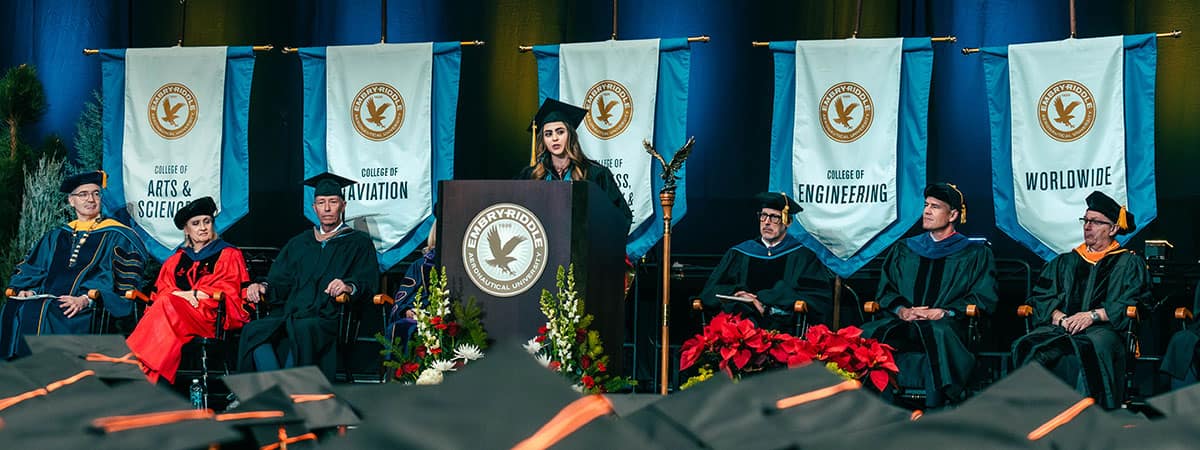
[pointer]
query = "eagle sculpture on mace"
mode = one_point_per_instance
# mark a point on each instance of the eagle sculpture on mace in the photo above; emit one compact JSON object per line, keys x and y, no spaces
{"x":667,"y":197}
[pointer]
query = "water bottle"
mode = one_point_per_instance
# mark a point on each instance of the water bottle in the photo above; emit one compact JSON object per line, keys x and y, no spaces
{"x":197,"y":394}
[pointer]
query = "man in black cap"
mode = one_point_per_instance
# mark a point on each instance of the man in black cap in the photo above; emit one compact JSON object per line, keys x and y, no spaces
{"x":770,"y":273}
{"x":925,"y":286}
{"x":313,"y":268}
{"x":1079,"y":306}
{"x":52,"y":282}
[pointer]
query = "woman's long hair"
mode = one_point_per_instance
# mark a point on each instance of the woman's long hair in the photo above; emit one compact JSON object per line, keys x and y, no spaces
{"x":574,"y":154}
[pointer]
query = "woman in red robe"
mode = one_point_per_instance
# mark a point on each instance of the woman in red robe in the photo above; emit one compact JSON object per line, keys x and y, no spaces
{"x":182,"y":305}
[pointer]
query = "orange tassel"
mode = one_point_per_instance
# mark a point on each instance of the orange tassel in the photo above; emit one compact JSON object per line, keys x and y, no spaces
{"x":787,"y":218}
{"x":1122,"y":220}
{"x":103,"y":179}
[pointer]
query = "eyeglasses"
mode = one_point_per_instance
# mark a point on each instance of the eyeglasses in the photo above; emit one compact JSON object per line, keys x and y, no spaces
{"x":83,"y":195}
{"x":767,"y":217}
{"x":1093,"y":222}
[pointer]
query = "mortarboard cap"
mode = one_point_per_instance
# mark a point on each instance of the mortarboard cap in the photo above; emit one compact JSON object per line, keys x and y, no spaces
{"x":1123,"y":219}
{"x":778,"y":201}
{"x":328,"y":184}
{"x":72,"y":182}
{"x":950,"y":194}
{"x":203,"y":206}
{"x":262,"y":417}
{"x":31,"y":380}
{"x":107,"y":354}
{"x":555,"y":111}
{"x":311,"y":392}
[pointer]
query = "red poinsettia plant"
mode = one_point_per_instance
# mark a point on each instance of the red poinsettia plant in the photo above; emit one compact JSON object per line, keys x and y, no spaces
{"x":739,"y":348}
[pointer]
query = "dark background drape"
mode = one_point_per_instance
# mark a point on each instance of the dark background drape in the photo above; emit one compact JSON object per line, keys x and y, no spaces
{"x":731,"y":84}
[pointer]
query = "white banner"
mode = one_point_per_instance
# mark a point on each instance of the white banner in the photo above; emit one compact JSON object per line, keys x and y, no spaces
{"x":844,"y":141}
{"x":378,"y":119}
{"x":617,"y":81}
{"x":171,"y":153}
{"x":1068,"y":134}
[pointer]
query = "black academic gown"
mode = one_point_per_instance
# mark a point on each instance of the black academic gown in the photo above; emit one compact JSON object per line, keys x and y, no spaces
{"x":1070,"y":283}
{"x":303,"y":319}
{"x":594,"y":172}
{"x":778,"y":276}
{"x":949,"y":275}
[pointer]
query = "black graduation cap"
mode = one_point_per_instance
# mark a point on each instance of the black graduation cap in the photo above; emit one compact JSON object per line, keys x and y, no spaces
{"x":311,"y":392}
{"x":778,"y":409}
{"x":1179,"y":402}
{"x":1103,"y":204}
{"x":950,"y":194}
{"x":69,"y":184}
{"x":34,"y":379}
{"x":257,"y":419}
{"x":779,"y":201}
{"x":555,"y":111}
{"x":203,"y":206}
{"x":1030,"y":407}
{"x":328,"y":184}
{"x":107,"y":354}
{"x":497,"y":402}
{"x":86,"y":418}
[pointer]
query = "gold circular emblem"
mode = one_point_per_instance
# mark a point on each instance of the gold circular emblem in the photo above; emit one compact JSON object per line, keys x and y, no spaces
{"x":1060,"y":114}
{"x":610,"y":108}
{"x":377,"y":111}
{"x":846,"y":112}
{"x":173,"y":111}
{"x":504,"y":250}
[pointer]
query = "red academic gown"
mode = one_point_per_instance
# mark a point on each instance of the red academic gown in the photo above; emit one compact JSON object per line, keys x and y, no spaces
{"x":170,"y":321}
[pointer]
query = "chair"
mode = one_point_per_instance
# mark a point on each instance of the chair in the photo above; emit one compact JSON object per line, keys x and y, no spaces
{"x":101,"y":320}
{"x":1132,"y":347}
{"x":799,"y":310}
{"x":919,"y":393}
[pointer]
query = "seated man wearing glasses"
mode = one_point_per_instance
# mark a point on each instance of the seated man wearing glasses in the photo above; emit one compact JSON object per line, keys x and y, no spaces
{"x":1079,"y":306}
{"x":768,"y":274}
{"x":925,"y":285}
{"x":52,"y":282}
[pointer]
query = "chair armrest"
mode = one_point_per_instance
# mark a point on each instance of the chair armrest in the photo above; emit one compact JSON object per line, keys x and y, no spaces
{"x":1182,"y":313}
{"x":10,"y":292}
{"x":218,"y":296}
{"x":973,"y":310}
{"x":871,"y":307}
{"x":136,"y":295}
{"x":1024,"y":311}
{"x":93,"y":294}
{"x":697,"y":305}
{"x":342,"y":298}
{"x":1131,"y":312}
{"x":800,"y":307}
{"x":383,"y":299}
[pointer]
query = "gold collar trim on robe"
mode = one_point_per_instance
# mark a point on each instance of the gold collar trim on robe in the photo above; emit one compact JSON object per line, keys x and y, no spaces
{"x":1095,"y":257}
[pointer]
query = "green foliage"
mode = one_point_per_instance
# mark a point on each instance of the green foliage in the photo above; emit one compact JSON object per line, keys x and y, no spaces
{"x":89,"y":136}
{"x":22,"y":102}
{"x":41,"y":210}
{"x":448,"y":332}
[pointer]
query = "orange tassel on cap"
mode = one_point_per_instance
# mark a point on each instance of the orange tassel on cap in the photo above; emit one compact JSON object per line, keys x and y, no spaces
{"x":533,"y":146}
{"x":787,"y":218}
{"x":103,"y":179}
{"x":1122,"y":220}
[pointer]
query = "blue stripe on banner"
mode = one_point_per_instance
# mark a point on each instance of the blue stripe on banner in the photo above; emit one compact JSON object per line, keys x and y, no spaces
{"x":447,"y":61}
{"x":916,"y":65}
{"x":1140,"y":67}
{"x":235,"y":144}
{"x":1141,"y":62}
{"x":112,"y":80}
{"x":670,"y":127}
{"x":312,"y":68}
{"x":235,"y":165}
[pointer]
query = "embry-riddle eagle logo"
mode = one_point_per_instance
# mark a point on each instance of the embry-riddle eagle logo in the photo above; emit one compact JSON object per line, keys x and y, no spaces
{"x":173,"y":111}
{"x":610,"y":108}
{"x":377,"y":111}
{"x":504,"y":250}
{"x":846,"y":112}
{"x":1066,"y":110}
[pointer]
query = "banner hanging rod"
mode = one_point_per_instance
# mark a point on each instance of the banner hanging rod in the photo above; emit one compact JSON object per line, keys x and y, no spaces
{"x":693,"y":39}
{"x":1169,"y":34}
{"x":462,"y":43}
{"x":940,"y":40}
{"x":257,"y":48}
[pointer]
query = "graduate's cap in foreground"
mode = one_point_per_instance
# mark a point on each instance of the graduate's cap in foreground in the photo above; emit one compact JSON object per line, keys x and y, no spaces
{"x":270,"y":418}
{"x":785,"y":408}
{"x":328,"y":184}
{"x":96,"y":177}
{"x":778,"y":201}
{"x":203,"y":206}
{"x":308,"y":388}
{"x":950,"y":194}
{"x":107,"y":354}
{"x":130,"y":415}
{"x":555,"y":111}
{"x":31,"y":380}
{"x":1122,"y":219}
{"x":538,"y":406}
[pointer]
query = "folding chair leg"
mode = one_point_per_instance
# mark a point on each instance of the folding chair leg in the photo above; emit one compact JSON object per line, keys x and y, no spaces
{"x":204,"y":371}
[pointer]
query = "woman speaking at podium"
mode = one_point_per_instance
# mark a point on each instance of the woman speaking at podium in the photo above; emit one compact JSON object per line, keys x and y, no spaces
{"x":557,"y":156}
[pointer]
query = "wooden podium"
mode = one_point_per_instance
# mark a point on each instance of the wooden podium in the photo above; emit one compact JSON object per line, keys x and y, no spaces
{"x":503,"y":241}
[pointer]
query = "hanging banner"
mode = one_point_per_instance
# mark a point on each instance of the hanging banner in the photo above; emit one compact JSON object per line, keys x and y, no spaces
{"x":1062,"y":114}
{"x":382,"y":115}
{"x":634,"y":91}
{"x":848,"y":142}
{"x":175,"y":126}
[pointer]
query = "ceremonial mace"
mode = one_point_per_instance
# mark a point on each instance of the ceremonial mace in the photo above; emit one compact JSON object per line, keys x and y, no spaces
{"x":667,"y":198}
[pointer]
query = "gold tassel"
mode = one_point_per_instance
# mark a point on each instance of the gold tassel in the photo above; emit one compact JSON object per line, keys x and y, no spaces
{"x":962,"y":216}
{"x":103,"y":179}
{"x":787,"y":218}
{"x":533,"y":146}
{"x":1122,"y":221}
